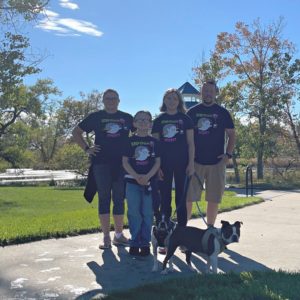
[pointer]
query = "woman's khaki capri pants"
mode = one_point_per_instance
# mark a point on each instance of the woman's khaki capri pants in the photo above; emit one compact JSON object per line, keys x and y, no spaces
{"x":213,"y":178}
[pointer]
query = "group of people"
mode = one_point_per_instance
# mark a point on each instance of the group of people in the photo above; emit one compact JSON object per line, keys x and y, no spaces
{"x":138,"y":159}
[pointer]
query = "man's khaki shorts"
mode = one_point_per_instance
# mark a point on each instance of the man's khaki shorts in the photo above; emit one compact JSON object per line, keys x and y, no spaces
{"x":213,"y":179}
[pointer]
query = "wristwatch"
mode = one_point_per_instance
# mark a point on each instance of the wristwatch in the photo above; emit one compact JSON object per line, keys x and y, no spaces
{"x":228,"y":155}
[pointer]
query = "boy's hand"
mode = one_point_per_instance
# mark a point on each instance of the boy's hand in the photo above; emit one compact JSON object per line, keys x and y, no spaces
{"x":143,"y":179}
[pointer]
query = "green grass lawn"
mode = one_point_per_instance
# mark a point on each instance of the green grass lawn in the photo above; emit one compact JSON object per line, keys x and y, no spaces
{"x":32,"y":213}
{"x":269,"y":285}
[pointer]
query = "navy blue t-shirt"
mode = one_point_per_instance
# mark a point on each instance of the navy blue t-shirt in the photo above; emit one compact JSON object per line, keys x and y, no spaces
{"x":142,"y":152}
{"x":172,"y":132}
{"x":111,"y":132}
{"x":209,"y":124}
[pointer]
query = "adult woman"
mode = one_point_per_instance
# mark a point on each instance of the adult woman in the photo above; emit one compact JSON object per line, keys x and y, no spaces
{"x":174,"y":129}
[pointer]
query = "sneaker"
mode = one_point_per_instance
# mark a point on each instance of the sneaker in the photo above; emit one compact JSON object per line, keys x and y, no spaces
{"x":121,"y":241}
{"x":145,"y":251}
{"x":134,"y":251}
{"x":162,"y":250}
{"x":106,"y":243}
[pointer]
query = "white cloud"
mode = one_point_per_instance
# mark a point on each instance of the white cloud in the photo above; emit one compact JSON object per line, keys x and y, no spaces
{"x":50,"y":13}
{"x":68,"y":4}
{"x":67,"y":26}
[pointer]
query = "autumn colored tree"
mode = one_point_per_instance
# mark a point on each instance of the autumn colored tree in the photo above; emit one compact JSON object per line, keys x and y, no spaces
{"x":245,"y":54}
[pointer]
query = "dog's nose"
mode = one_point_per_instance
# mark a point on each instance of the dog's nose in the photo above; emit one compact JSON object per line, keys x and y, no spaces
{"x":235,"y":239}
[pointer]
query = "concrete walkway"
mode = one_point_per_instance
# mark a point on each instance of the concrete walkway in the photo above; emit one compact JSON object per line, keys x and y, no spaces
{"x":74,"y":268}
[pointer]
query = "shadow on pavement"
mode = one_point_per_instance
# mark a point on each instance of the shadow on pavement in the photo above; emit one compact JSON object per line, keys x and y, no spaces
{"x":121,"y":271}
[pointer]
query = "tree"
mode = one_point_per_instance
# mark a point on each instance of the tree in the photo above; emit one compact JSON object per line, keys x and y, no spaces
{"x":14,"y":146}
{"x":245,"y":54}
{"x":10,"y":10}
{"x":287,"y":72}
{"x":15,"y":98}
{"x":30,"y":107}
{"x":73,"y":111}
{"x":51,"y":133}
{"x":71,"y":157}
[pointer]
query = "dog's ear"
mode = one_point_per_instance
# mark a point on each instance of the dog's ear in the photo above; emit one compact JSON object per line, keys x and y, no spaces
{"x":238,"y":224}
{"x":225,"y":223}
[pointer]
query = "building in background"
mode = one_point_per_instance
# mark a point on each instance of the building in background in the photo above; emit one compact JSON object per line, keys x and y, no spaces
{"x":191,"y":96}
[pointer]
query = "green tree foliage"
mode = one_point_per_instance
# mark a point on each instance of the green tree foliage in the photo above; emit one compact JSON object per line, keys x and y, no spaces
{"x":71,"y":157}
{"x":15,"y":98}
{"x":73,"y":111}
{"x":11,"y":10}
{"x":52,"y":131}
{"x":14,"y":146}
{"x":287,"y":84}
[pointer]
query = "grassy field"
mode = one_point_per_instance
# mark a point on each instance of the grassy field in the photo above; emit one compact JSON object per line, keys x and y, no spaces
{"x":33,"y":213}
{"x":268,"y":285}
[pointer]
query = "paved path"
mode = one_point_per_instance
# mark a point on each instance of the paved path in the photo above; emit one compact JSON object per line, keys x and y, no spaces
{"x":74,"y":268}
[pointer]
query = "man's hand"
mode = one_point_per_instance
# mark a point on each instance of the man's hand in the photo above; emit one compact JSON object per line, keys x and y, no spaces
{"x":224,"y":157}
{"x":190,"y":170}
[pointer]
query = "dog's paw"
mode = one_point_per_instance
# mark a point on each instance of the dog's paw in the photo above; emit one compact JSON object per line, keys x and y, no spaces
{"x":164,"y":272}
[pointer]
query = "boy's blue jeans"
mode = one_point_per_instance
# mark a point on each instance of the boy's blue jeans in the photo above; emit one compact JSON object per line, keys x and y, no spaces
{"x":140,"y":215}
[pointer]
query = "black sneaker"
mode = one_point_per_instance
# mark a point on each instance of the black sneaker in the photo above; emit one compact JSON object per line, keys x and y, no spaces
{"x":134,"y":251}
{"x":145,"y":251}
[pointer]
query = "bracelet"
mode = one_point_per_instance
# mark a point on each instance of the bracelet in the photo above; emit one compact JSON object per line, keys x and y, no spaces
{"x":228,"y":155}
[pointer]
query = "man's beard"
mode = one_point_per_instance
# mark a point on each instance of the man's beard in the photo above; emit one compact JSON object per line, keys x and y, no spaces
{"x":208,"y":101}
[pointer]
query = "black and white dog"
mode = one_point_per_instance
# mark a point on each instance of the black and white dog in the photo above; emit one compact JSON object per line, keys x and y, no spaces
{"x":209,"y":242}
{"x":160,"y":238}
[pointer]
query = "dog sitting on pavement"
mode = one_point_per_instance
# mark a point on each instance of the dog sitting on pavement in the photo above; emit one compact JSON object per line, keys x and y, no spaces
{"x":160,"y":238}
{"x":210,"y":242}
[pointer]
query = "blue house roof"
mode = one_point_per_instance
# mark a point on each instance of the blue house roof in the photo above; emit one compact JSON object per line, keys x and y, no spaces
{"x":187,"y":88}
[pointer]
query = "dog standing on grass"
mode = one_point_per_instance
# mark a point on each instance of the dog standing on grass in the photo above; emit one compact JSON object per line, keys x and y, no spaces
{"x":210,"y":242}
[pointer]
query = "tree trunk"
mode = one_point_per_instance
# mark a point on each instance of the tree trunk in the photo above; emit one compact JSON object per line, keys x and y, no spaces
{"x":261,"y":143}
{"x":293,"y":127}
{"x":260,"y":164}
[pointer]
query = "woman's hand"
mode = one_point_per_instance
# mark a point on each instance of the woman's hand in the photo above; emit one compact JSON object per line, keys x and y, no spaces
{"x":93,"y":150}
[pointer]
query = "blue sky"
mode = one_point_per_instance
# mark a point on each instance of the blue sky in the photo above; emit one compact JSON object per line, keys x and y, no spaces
{"x":141,"y":48}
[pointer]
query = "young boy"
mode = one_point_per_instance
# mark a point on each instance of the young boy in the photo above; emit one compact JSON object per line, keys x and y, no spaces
{"x":141,"y":161}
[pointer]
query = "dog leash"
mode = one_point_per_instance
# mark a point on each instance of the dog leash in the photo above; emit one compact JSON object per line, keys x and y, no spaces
{"x":185,"y":191}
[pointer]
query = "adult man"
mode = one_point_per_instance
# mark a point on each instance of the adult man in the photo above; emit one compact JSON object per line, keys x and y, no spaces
{"x":211,"y":122}
{"x":111,"y":128}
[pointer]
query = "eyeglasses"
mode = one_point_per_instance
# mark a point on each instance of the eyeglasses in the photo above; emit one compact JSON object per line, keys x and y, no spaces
{"x":111,"y":98}
{"x":142,"y":120}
